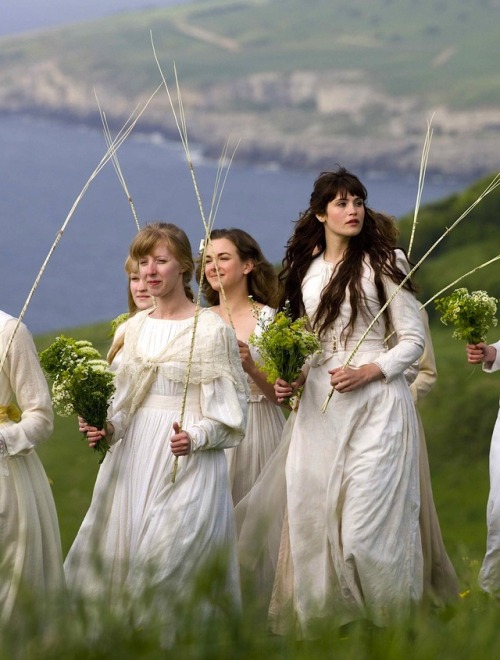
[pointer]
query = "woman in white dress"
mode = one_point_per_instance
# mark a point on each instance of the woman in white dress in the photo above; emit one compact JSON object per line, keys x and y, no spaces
{"x":30,"y":545}
{"x":144,"y":532}
{"x":353,"y":535}
{"x":489,"y":575}
{"x":440,"y":579}
{"x":138,"y":298}
{"x":243,"y":271}
{"x":235,"y":263}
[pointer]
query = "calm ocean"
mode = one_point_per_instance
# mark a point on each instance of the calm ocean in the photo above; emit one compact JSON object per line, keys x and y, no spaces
{"x":45,"y":165}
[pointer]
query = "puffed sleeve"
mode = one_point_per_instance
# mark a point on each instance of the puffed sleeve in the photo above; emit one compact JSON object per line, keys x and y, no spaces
{"x":30,"y":389}
{"x":408,"y":326}
{"x":493,"y":366}
{"x":223,"y":403}
{"x":427,"y":370}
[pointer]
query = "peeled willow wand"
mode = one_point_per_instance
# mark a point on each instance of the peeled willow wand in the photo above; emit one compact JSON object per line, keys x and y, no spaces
{"x":180,"y":121}
{"x":492,"y":185}
{"x":116,"y":143}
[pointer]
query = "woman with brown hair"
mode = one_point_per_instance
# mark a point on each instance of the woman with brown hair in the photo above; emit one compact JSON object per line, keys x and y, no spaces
{"x":242,"y":286}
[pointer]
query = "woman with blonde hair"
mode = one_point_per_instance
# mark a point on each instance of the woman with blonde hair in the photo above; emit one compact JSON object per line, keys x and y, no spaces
{"x":151,"y":533}
{"x":138,"y":299}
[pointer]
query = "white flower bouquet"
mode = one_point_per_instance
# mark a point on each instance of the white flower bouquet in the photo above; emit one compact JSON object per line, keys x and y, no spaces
{"x":284,"y":345}
{"x":472,"y":314}
{"x":82,"y":383}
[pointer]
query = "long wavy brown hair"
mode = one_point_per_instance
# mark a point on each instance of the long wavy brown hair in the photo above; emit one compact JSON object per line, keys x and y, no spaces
{"x":375,"y":243}
{"x":262,"y":281}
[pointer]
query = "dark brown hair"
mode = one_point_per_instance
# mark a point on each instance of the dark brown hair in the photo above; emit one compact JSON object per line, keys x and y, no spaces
{"x":375,"y":241}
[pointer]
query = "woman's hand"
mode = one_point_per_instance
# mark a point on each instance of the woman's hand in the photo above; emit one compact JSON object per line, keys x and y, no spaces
{"x":284,"y":390}
{"x":94,"y":435}
{"x":247,"y":361}
{"x":346,"y":379}
{"x":180,"y":442}
{"x":477,"y":353}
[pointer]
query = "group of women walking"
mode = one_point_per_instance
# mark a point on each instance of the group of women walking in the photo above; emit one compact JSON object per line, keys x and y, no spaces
{"x":334,"y":509}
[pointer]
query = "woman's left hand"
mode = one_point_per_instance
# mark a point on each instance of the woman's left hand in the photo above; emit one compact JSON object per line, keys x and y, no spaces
{"x":180,"y":442}
{"x":346,"y":379}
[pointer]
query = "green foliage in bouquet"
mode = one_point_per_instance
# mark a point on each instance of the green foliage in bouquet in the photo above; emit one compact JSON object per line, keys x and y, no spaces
{"x":284,"y":345}
{"x":117,"y":322}
{"x":82,"y":383}
{"x":472,"y":314}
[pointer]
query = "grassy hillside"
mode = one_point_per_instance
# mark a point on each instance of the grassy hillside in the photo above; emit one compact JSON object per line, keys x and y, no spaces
{"x":442,"y":49}
{"x":474,"y":241}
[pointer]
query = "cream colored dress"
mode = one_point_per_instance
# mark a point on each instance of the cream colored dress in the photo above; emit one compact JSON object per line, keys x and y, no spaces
{"x":142,"y":532}
{"x":264,"y":428}
{"x":352,"y":476}
{"x":263,"y":433}
{"x":30,"y":545}
{"x":489,"y":576}
{"x":440,"y":578}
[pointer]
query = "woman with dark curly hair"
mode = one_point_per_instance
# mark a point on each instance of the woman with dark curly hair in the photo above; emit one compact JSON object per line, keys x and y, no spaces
{"x":351,"y":545}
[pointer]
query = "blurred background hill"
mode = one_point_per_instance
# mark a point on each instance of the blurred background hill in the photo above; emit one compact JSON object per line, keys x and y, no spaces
{"x":301,"y":82}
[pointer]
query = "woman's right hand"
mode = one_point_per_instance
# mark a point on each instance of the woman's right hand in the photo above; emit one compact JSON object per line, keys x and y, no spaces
{"x":284,"y":390}
{"x":94,"y":435}
{"x":477,"y":353}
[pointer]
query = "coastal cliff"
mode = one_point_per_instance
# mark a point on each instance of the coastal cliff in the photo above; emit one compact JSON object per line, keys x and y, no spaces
{"x":285,"y":100}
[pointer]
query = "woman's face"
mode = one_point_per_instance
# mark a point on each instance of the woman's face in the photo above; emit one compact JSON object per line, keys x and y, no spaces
{"x":344,"y":216}
{"x":139,"y":291}
{"x":161,"y":272}
{"x":233,"y":270}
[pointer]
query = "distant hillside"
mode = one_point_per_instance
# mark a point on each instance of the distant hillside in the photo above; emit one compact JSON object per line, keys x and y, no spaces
{"x":304,"y":82}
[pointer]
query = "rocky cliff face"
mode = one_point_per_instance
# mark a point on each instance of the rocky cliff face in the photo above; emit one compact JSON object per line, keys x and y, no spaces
{"x":300,"y":120}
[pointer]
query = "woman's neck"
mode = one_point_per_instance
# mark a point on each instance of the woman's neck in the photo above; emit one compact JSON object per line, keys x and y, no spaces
{"x":335,"y":249}
{"x":173,"y":308}
{"x":237,"y":309}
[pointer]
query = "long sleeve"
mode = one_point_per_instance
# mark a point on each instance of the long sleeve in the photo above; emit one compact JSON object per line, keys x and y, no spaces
{"x":427,"y":370}
{"x":224,"y":416}
{"x":493,"y":366}
{"x":407,"y":324}
{"x":29,"y":387}
{"x":223,"y":404}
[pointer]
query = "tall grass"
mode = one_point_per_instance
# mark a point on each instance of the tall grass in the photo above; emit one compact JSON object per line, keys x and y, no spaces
{"x":468,"y":630}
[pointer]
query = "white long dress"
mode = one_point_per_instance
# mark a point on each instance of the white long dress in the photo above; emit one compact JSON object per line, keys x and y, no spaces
{"x":440,"y":578}
{"x":142,"y":531}
{"x":489,"y":575}
{"x":30,"y":545}
{"x":265,"y":423}
{"x":352,"y":475}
